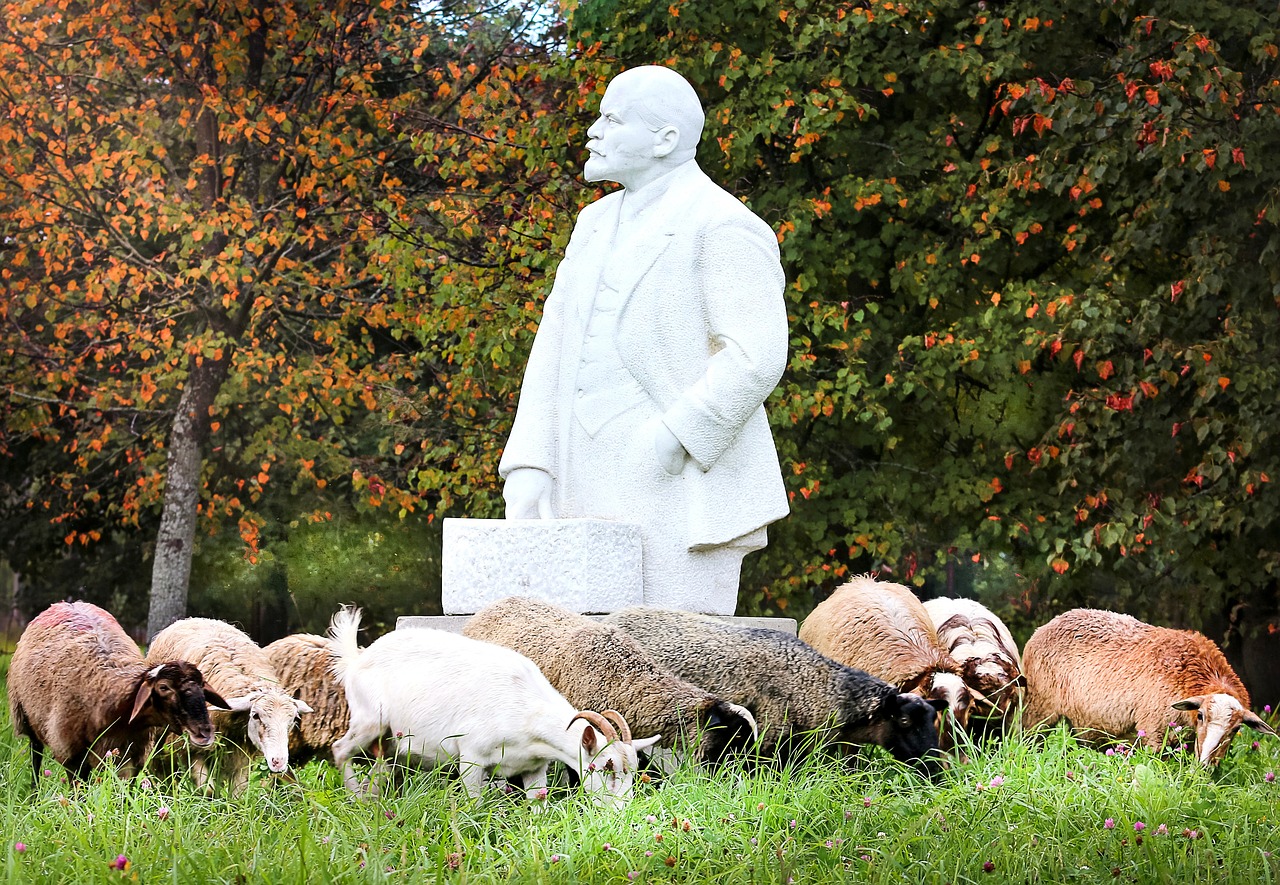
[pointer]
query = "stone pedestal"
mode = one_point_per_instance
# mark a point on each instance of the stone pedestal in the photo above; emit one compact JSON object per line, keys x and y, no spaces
{"x":589,"y":566}
{"x":584,"y":565}
{"x":455,"y":623}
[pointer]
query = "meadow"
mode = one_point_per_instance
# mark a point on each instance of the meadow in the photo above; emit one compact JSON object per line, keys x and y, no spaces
{"x":1026,"y":809}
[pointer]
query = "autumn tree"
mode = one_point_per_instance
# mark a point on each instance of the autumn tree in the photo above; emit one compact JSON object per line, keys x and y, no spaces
{"x":1031,"y":251}
{"x":203,"y":206}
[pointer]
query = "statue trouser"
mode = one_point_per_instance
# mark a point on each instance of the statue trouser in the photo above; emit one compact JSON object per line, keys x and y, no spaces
{"x":614,"y":474}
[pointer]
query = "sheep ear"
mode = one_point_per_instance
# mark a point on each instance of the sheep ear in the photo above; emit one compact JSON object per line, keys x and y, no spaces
{"x":303,"y":706}
{"x":643,"y":745}
{"x":213,"y":699}
{"x":746,"y":717}
{"x":1254,"y":721}
{"x":144,"y":691}
{"x":589,"y":742}
{"x":1186,"y":704}
{"x":237,"y":705}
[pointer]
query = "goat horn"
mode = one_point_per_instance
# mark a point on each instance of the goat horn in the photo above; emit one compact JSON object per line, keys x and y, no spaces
{"x":601,"y":724}
{"x":624,"y":730}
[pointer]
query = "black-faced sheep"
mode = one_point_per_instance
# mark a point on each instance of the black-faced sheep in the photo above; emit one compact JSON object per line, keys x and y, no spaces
{"x":797,"y":695}
{"x":78,"y":686}
{"x":884,"y":629}
{"x":1113,"y":676}
{"x":262,"y":713}
{"x":598,"y":667}
{"x":986,"y":652}
{"x":442,"y":696}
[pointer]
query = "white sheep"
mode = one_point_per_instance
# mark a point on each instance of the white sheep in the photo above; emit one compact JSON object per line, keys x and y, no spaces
{"x":1114,"y":677}
{"x":440,"y":696}
{"x":302,"y":661}
{"x":262,"y":713}
{"x":985,"y":650}
{"x":78,"y":686}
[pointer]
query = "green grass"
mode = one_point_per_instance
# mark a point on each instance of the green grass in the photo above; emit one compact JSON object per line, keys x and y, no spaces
{"x":820,"y":821}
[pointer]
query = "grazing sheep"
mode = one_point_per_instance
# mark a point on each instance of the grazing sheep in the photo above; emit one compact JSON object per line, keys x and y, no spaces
{"x":79,"y":686}
{"x":262,"y":713}
{"x":597,"y":666}
{"x":884,"y":629}
{"x":796,"y":694}
{"x":1112,"y":676}
{"x":983,"y":646}
{"x":445,"y":696}
{"x":302,"y":661}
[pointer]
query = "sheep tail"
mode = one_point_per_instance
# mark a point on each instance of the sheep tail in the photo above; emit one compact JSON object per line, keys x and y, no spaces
{"x":345,"y":647}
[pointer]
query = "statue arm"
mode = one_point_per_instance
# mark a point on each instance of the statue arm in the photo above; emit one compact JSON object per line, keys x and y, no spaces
{"x":532,"y":442}
{"x":741,"y":282}
{"x":530,"y":456}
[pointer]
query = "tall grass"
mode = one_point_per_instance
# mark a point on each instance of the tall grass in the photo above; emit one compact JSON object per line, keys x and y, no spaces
{"x":1023,"y":810}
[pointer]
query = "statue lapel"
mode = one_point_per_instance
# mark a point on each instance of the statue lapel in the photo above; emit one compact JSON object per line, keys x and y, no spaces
{"x":671,"y":218}
{"x":594,"y":255}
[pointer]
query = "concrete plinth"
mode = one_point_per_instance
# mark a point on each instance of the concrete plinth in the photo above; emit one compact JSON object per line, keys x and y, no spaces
{"x":584,"y":565}
{"x":455,"y":623}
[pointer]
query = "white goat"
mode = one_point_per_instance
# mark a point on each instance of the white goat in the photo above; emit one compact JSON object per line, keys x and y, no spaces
{"x":444,"y":696}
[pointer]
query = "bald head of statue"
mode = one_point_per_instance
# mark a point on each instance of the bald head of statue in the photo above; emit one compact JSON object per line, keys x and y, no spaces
{"x":650,"y":122}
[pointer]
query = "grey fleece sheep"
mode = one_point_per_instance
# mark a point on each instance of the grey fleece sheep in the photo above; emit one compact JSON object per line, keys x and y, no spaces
{"x":599,"y":667}
{"x":302,"y":662}
{"x":78,"y":686}
{"x":790,"y":688}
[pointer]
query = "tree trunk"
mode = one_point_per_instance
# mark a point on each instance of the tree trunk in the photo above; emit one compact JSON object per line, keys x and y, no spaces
{"x":171,"y":571}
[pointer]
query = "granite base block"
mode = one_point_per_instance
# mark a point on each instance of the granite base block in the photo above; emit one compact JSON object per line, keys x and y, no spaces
{"x":584,"y":565}
{"x":455,"y":623}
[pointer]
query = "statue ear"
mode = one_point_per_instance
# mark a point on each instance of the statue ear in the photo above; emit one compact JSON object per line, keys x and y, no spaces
{"x":665,"y":140}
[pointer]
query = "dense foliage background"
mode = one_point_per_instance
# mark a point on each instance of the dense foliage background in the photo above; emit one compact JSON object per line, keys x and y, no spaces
{"x":1033,"y":289}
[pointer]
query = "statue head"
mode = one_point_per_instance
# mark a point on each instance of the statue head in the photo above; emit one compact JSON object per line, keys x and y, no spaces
{"x":650,"y":122}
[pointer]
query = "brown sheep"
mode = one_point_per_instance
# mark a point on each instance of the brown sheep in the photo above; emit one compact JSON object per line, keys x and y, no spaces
{"x":597,"y":666}
{"x":78,"y":685}
{"x":1114,"y":677}
{"x":988,"y":656}
{"x":882,"y":628}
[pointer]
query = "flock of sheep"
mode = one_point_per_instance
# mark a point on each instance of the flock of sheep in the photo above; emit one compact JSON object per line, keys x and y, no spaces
{"x":529,"y":684}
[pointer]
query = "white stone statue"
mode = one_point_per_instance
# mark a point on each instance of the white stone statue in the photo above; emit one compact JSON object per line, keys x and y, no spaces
{"x":663,"y":334}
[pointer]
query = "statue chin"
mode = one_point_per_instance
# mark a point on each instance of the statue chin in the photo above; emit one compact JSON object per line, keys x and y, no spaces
{"x":596,"y":169}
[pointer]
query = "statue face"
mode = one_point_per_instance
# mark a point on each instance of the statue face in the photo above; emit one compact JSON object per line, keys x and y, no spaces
{"x":620,"y":145}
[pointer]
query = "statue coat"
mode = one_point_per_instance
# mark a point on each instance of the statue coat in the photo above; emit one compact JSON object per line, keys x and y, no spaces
{"x":703,"y":331}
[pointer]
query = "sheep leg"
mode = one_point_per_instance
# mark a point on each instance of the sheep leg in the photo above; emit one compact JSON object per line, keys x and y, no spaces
{"x":37,"y":756}
{"x":359,"y":735}
{"x":1033,"y":717}
{"x":23,"y":727}
{"x":235,"y":770}
{"x":200,"y":773}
